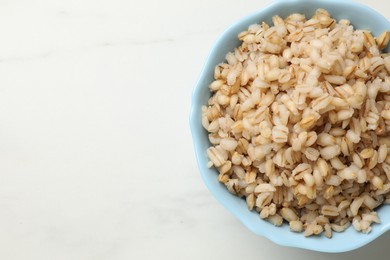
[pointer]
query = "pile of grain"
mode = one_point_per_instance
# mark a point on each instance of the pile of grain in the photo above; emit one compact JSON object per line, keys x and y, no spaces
{"x":299,"y":120}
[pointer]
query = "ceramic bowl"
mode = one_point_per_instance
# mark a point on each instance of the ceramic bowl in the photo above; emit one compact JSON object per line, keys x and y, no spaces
{"x":362,"y":17}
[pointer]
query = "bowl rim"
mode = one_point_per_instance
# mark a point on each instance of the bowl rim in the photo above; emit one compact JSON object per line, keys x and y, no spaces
{"x":193,"y":121}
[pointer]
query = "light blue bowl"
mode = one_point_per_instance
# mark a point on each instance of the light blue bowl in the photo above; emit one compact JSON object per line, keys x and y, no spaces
{"x":361,"y":17}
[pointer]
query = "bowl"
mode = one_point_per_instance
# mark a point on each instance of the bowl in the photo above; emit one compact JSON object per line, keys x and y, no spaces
{"x":362,"y":17}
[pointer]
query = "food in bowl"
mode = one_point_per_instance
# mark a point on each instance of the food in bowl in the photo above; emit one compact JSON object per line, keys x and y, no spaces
{"x":299,"y":120}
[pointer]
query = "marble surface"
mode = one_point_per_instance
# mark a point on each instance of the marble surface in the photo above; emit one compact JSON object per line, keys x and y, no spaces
{"x":96,"y":159}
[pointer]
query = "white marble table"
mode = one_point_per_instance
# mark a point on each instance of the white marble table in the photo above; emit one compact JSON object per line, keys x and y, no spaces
{"x":96,"y":159}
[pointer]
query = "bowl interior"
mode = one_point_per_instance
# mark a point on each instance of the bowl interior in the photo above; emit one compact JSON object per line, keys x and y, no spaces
{"x":361,"y":17}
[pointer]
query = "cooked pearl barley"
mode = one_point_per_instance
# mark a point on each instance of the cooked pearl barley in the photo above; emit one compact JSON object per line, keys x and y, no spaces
{"x":312,"y":154}
{"x":264,"y":187}
{"x":330,"y":152}
{"x":229,"y":144}
{"x":299,"y":122}
{"x":296,"y":226}
{"x":329,"y":210}
{"x":382,"y":153}
{"x":215,"y":156}
{"x":355,"y":205}
{"x":280,"y":134}
{"x":276,"y":220}
{"x":353,"y":136}
{"x":326,"y":139}
{"x":288,"y":214}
